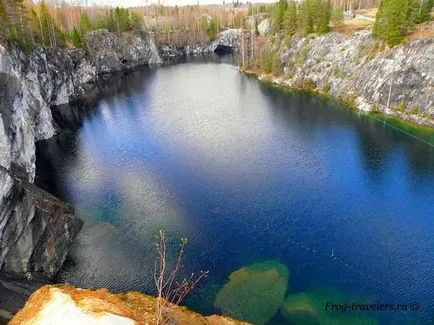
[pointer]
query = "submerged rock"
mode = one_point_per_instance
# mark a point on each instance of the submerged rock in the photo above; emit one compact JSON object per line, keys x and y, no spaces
{"x":254,"y":293}
{"x":64,"y":304}
{"x":308,"y":308}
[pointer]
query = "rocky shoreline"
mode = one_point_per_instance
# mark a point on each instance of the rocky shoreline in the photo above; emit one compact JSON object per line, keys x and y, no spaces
{"x":34,"y":88}
{"x":397,"y":82}
{"x":36,"y":229}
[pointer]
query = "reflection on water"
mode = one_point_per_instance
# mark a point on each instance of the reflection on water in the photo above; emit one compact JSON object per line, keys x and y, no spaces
{"x":248,"y":173}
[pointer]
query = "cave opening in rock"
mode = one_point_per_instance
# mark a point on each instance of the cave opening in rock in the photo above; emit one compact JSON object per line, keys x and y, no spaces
{"x":222,"y":50}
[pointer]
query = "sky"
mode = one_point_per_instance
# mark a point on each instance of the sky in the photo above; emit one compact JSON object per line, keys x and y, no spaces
{"x":135,"y":3}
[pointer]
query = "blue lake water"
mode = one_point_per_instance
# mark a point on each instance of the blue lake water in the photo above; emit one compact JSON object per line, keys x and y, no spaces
{"x":249,"y":173}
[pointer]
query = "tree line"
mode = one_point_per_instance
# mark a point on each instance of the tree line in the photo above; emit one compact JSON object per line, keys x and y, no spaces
{"x":29,"y":24}
{"x":307,"y":16}
{"x":396,"y":18}
{"x":32,"y":24}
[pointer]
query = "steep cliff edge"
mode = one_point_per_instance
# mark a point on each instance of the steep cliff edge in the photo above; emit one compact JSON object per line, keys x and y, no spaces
{"x":228,"y":41}
{"x":68,"y":305}
{"x":36,"y":229}
{"x":32,"y":84}
{"x":33,"y":88}
{"x":397,"y":81}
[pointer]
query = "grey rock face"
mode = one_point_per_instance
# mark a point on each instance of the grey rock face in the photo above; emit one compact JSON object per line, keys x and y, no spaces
{"x":264,"y":27}
{"x":354,"y":69}
{"x":48,"y":77}
{"x":228,"y":39}
{"x":36,"y":228}
{"x":110,"y":53}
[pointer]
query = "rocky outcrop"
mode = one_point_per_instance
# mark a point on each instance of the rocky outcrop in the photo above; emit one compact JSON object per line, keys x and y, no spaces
{"x":228,"y":41}
{"x":109,"y":53}
{"x":264,"y":27}
{"x":32,"y":84}
{"x":36,"y":229}
{"x":68,"y":305}
{"x":397,"y":81}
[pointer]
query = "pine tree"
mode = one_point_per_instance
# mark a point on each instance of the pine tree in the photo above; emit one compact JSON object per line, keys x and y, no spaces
{"x":307,"y":16}
{"x":85,"y":24}
{"x":323,"y":17}
{"x":291,"y":18}
{"x":279,"y":15}
{"x":394,"y":19}
{"x":212,"y":29}
{"x":136,"y":21}
{"x":15,"y":19}
{"x":378,"y":29}
{"x":4,"y":23}
{"x":76,"y":37}
{"x":424,"y":13}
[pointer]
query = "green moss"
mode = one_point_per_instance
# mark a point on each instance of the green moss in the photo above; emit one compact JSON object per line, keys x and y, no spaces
{"x":254,"y":293}
{"x":338,"y":73}
{"x":326,"y":87}
{"x":414,"y":110}
{"x":309,"y":84}
{"x":400,"y":107}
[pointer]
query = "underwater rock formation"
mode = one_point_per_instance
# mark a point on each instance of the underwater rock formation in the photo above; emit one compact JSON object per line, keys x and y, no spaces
{"x":254,"y":293}
{"x":308,"y":308}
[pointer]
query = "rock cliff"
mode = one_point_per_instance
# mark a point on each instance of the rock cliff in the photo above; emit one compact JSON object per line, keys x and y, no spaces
{"x":397,"y":81}
{"x":228,"y":41}
{"x":36,"y":229}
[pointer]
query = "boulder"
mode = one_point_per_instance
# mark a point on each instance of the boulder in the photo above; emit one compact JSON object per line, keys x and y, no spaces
{"x":36,"y":229}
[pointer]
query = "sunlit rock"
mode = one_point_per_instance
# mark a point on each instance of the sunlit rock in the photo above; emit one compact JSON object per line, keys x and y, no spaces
{"x":64,"y":304}
{"x":264,"y":27}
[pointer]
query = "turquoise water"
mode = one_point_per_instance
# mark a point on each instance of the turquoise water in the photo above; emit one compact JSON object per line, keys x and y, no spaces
{"x":250,"y":174}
